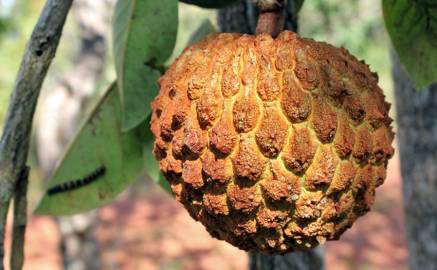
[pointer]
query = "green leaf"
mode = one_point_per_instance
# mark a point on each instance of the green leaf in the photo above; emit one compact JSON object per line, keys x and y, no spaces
{"x":210,"y":3}
{"x":150,"y":163}
{"x":204,"y":29}
{"x":412,"y":26}
{"x":99,"y":143}
{"x":144,"y":35}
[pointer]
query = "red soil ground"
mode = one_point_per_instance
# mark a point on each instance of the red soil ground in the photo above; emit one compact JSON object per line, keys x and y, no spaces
{"x":151,"y":231}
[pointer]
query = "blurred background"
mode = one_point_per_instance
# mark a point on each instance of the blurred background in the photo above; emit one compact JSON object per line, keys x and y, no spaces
{"x":145,"y":228}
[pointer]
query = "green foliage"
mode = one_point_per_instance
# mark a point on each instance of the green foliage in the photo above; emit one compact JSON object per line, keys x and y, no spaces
{"x":150,"y":163}
{"x":412,"y":26}
{"x":144,"y":33}
{"x":99,"y":142}
{"x":210,"y":3}
{"x":4,"y":26}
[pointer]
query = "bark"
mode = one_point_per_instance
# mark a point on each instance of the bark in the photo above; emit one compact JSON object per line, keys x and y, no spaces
{"x":241,"y":17}
{"x":20,"y":220}
{"x":62,"y":111}
{"x":14,"y":143}
{"x":309,"y":260}
{"x":417,"y":138}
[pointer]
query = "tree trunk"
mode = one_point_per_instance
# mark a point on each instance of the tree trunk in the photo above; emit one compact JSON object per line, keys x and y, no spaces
{"x":62,"y":111}
{"x":309,"y":260}
{"x":417,"y":138}
{"x":241,"y":17}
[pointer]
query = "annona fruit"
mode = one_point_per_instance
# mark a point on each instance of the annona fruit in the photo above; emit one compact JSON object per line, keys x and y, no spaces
{"x":274,"y":145}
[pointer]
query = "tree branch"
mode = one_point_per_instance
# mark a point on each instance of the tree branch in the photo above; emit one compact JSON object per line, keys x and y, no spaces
{"x":20,"y":220}
{"x":14,"y":143}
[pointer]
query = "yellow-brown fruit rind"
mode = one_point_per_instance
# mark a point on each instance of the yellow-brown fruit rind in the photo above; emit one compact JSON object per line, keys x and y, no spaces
{"x":275,"y":145}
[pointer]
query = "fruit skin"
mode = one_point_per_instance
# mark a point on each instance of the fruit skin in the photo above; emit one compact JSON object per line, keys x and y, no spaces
{"x":275,"y":145}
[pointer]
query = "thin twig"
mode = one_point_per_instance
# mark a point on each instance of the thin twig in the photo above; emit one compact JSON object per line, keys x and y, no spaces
{"x":20,"y":220}
{"x":14,"y":143}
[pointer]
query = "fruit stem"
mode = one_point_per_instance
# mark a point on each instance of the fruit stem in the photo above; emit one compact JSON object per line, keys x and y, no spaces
{"x":271,"y":19}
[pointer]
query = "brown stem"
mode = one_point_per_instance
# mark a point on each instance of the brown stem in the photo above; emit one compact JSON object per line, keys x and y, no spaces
{"x":14,"y":143}
{"x":271,"y":22}
{"x":272,"y":15}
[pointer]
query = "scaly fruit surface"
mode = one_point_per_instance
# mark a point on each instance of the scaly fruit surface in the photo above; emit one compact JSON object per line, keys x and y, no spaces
{"x":274,"y":145}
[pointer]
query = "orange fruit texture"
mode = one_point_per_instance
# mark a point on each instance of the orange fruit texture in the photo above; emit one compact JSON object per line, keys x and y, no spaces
{"x":274,"y":145}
